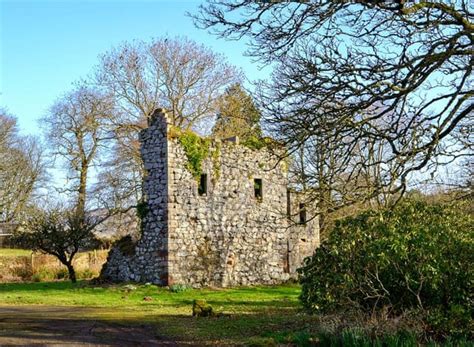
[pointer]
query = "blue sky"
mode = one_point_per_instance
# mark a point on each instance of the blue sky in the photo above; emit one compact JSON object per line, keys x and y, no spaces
{"x":47,"y":45}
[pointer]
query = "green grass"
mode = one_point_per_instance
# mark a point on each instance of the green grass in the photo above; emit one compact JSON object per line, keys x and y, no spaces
{"x":246,"y":299}
{"x":10,"y":252}
{"x":246,"y":314}
{"x":252,"y":316}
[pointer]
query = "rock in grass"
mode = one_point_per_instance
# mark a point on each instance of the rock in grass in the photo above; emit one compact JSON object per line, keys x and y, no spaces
{"x":147,"y":298}
{"x":129,"y":287}
{"x":202,"y":309}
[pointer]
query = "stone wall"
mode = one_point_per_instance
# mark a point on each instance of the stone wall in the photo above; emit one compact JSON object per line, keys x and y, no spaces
{"x":222,"y":237}
{"x":148,"y":259}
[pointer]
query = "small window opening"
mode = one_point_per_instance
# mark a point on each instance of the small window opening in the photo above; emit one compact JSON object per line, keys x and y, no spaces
{"x":302,"y":214}
{"x":202,"y":188}
{"x":258,"y":188}
{"x":288,"y":204}
{"x":286,"y":264}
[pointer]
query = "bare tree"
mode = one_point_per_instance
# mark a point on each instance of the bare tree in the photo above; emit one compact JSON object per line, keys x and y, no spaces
{"x":58,"y":232}
{"x":22,"y":169}
{"x":176,"y":74}
{"x":76,"y":128}
{"x":382,"y":86}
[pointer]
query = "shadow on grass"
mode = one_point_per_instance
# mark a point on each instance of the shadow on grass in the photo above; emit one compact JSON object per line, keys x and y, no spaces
{"x":26,"y":325}
{"x":54,"y":325}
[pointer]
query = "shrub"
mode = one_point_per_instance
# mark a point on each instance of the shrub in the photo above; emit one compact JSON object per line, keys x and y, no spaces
{"x":44,"y":274}
{"x":87,"y":274}
{"x":62,"y":274}
{"x":417,"y":255}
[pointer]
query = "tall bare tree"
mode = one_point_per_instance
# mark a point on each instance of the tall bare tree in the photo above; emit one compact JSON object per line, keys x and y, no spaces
{"x":76,"y":128}
{"x":382,"y":85}
{"x":176,"y":74}
{"x":22,"y":169}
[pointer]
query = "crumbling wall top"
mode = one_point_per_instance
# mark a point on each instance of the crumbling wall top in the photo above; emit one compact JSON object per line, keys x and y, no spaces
{"x":158,"y":115}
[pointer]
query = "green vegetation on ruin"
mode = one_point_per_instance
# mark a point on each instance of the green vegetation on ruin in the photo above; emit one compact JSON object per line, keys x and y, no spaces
{"x":199,"y":148}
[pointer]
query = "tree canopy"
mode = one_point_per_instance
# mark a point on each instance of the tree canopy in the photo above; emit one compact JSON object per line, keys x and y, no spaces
{"x":76,"y":127}
{"x":385,"y":88}
{"x":22,"y":168}
{"x":237,"y":115}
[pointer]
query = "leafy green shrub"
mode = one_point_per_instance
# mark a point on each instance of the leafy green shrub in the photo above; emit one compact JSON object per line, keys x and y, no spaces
{"x":258,"y":142}
{"x":417,"y":255}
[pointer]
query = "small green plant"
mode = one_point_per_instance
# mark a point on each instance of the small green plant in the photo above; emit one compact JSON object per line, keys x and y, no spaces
{"x":178,"y":288}
{"x":86,"y":274}
{"x":142,"y":210}
{"x":202,"y":309}
{"x":44,"y":274}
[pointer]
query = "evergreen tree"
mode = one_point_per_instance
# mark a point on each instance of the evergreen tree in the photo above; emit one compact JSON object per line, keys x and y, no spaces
{"x":237,"y":115}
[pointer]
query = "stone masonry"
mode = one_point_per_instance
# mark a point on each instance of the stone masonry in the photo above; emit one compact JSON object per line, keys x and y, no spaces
{"x":237,"y":224}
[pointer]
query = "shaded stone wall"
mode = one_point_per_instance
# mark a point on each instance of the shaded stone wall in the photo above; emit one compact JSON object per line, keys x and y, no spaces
{"x":147,"y":261}
{"x":303,"y":238}
{"x":226,"y":236}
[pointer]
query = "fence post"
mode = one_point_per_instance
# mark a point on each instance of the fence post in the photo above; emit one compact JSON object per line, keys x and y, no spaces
{"x":32,"y":262}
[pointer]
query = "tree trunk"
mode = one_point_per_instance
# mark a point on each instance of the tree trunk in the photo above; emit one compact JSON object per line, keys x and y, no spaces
{"x":72,"y":273}
{"x":81,"y":198}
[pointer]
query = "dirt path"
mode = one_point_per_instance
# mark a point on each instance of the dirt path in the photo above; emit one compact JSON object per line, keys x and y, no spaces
{"x":56,"y":326}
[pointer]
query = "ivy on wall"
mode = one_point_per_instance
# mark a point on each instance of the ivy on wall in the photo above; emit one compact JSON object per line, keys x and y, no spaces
{"x":197,"y":149}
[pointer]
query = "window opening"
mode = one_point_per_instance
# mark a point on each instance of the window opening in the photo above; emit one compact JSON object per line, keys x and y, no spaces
{"x":202,"y":188}
{"x":286,"y":265}
{"x":258,"y":188}
{"x":288,"y":204}
{"x":302,"y":213}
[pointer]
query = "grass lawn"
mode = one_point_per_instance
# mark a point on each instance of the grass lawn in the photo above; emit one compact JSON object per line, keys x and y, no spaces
{"x":248,"y":315}
{"x":10,"y":252}
{"x":251,"y":316}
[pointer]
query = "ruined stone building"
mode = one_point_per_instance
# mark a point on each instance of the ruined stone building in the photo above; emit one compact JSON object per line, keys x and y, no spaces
{"x":235,"y":222}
